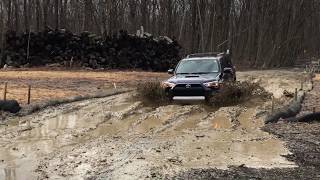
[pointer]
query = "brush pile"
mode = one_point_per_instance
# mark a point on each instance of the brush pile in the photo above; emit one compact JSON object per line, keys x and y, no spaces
{"x":63,"y":48}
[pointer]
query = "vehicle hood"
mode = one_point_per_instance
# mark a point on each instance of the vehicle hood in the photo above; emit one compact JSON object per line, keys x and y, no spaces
{"x":194,"y":78}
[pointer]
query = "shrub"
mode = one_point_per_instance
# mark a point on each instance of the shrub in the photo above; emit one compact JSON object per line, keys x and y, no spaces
{"x":151,"y":92}
{"x":233,"y":93}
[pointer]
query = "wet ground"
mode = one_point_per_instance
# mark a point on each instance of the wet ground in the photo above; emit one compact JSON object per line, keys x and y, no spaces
{"x":118,"y":138}
{"x":302,"y":139}
{"x":137,"y":140}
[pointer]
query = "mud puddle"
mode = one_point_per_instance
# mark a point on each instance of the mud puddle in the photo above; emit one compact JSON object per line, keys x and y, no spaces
{"x":34,"y":137}
{"x":118,"y":138}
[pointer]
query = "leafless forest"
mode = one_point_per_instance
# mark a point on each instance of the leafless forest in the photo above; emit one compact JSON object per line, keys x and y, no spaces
{"x":261,"y":33}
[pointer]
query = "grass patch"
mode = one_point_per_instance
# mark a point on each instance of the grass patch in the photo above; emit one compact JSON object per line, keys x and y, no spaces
{"x":233,"y":93}
{"x":151,"y":92}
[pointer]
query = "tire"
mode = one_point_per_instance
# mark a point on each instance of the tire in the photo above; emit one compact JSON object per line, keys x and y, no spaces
{"x":207,"y":99}
{"x":11,"y":106}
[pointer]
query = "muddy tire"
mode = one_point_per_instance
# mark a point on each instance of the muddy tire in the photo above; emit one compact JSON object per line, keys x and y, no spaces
{"x":207,"y":99}
{"x":170,"y":98}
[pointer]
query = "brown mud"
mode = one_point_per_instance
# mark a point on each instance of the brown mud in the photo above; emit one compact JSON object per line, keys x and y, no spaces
{"x":118,"y":138}
{"x":302,"y":139}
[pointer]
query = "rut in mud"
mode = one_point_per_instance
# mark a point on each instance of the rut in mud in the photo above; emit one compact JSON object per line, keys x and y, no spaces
{"x":117,"y":137}
{"x":301,"y":138}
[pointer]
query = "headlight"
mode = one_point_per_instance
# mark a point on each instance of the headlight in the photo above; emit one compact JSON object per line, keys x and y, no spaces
{"x":166,"y":84}
{"x":212,"y":84}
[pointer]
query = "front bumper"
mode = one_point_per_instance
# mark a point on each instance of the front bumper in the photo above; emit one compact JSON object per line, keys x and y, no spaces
{"x":190,"y":90}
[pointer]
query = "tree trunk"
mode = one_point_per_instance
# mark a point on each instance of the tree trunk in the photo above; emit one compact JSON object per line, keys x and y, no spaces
{"x":38,"y":15}
{"x":88,"y":15}
{"x":16,"y":14}
{"x":56,"y":14}
{"x":45,"y":12}
{"x":62,"y":14}
{"x":193,"y":4}
{"x":9,"y":10}
{"x":132,"y":16}
{"x":26,"y":15}
{"x":2,"y":30}
{"x":144,"y":13}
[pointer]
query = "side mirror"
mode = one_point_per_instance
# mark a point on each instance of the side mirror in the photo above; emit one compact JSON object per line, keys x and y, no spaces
{"x":170,"y":71}
{"x":227,"y":70}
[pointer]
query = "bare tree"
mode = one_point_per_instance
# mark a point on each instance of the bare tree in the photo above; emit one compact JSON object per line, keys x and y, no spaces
{"x":261,"y":33}
{"x":45,"y":12}
{"x":38,"y":15}
{"x":56,"y":14}
{"x":16,"y":16}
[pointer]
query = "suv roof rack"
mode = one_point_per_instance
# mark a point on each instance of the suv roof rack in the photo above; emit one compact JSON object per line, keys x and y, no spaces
{"x":210,"y":54}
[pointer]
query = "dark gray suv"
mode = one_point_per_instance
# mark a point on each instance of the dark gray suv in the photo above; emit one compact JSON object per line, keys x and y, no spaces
{"x":200,"y":75}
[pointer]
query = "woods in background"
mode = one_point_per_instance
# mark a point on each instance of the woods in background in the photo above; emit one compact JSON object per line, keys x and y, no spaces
{"x":261,"y":33}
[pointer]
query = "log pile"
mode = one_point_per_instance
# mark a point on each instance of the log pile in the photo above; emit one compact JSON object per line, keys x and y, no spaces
{"x":63,"y":48}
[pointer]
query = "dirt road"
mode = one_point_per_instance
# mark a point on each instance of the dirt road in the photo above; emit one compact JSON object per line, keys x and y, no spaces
{"x":118,"y":138}
{"x":302,"y":139}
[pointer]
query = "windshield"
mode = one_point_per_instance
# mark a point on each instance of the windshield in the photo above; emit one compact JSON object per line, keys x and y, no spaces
{"x":198,"y":66}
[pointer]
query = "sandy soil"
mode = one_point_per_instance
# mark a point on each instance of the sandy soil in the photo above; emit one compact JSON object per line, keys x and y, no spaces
{"x":118,"y":138}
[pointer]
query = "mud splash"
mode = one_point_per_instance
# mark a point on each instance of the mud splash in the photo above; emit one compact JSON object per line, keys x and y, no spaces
{"x":118,"y":138}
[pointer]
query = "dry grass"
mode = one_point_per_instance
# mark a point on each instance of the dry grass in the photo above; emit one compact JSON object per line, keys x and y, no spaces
{"x":47,"y":85}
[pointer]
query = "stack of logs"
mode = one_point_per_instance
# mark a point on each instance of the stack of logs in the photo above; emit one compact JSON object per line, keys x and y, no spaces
{"x":63,"y":48}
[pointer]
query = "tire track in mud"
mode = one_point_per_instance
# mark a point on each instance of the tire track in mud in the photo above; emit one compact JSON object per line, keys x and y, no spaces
{"x":119,"y":138}
{"x":134,"y":155}
{"x":57,"y":125}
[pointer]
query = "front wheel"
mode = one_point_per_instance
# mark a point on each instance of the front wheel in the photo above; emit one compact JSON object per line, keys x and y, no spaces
{"x":207,"y":99}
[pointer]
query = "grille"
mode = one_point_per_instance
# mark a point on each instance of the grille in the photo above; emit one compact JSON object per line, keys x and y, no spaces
{"x":191,"y":85}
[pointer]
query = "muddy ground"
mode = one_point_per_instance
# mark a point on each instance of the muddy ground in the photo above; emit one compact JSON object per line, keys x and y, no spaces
{"x":302,"y":139}
{"x":117,"y":137}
